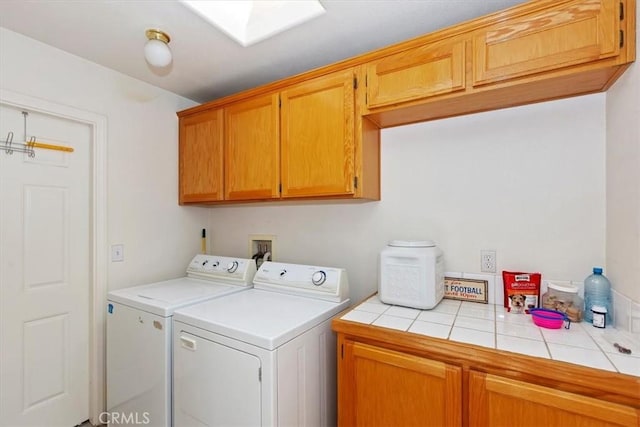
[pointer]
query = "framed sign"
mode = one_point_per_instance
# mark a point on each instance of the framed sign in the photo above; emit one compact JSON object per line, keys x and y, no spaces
{"x":466,"y":289}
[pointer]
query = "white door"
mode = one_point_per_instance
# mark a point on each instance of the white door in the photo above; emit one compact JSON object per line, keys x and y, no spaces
{"x":44,"y":274}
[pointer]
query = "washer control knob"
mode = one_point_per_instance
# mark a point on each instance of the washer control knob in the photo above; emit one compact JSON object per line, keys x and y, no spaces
{"x":283,"y":272}
{"x":318,"y":278}
{"x":232,"y":267}
{"x":215,"y":264}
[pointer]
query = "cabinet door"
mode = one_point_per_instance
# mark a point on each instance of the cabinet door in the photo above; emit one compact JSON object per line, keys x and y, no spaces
{"x":380,"y":387}
{"x":318,"y":137}
{"x":498,"y":401}
{"x":251,"y":149}
{"x":200,"y":154}
{"x":574,"y":32}
{"x":416,"y":73}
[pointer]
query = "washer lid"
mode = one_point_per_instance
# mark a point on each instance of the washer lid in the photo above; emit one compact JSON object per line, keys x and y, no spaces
{"x":162,"y":298}
{"x":412,"y":243}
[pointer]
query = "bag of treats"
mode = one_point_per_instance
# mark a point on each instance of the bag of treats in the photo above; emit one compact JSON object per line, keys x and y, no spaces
{"x":521,"y":291}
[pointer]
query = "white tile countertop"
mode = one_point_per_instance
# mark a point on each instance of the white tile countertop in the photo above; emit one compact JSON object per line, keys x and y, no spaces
{"x":491,"y":326}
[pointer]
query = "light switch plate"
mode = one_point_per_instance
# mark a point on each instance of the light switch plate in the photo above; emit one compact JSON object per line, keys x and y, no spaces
{"x":117,"y":253}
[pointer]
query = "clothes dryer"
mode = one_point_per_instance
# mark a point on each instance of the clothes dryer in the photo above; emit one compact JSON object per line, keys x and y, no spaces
{"x":263,"y":357}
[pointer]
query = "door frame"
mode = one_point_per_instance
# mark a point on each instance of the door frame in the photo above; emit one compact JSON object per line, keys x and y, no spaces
{"x":97,"y":234}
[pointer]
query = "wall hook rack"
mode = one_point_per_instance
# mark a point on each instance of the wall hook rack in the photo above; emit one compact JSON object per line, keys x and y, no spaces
{"x":28,"y":146}
{"x":9,"y":147}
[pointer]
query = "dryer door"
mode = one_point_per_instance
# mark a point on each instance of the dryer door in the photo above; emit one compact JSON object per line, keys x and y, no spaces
{"x":214,"y":385}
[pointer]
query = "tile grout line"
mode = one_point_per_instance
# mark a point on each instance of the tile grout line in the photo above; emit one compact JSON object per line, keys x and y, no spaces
{"x":455,"y":317}
{"x":606,"y":355}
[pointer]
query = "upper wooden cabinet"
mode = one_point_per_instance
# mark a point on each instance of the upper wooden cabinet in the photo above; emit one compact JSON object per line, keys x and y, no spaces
{"x":251,"y":149}
{"x":317,"y":140}
{"x":317,"y":134}
{"x":295,"y":143}
{"x":292,"y":144}
{"x":200,"y":157}
{"x":537,"y":51}
{"x":572,"y":33}
{"x":416,"y":73}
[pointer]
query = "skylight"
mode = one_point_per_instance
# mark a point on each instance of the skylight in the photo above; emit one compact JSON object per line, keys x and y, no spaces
{"x":249,"y":22}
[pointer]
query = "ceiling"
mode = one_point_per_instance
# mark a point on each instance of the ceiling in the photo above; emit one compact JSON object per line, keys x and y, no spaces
{"x":207,"y":64}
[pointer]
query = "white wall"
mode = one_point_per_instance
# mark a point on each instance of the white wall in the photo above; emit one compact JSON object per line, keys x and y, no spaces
{"x":143,"y":214}
{"x":528,"y":182}
{"x":623,"y":181}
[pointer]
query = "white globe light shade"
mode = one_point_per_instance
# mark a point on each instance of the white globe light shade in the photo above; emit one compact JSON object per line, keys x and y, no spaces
{"x":157,"y":53}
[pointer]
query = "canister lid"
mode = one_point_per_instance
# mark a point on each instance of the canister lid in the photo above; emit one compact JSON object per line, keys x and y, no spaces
{"x":564,"y":287}
{"x":412,"y":243}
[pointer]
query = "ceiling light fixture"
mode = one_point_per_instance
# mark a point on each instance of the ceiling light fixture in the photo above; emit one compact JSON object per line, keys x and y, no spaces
{"x":156,"y":50}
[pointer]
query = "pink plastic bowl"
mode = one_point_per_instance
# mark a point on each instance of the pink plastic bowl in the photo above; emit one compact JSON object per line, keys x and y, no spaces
{"x":550,"y":319}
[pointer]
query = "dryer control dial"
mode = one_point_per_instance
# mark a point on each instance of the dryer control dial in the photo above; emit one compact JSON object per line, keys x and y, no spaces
{"x":318,"y":277}
{"x":232,"y":267}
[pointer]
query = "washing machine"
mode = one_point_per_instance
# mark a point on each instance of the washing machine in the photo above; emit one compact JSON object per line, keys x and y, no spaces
{"x":139,"y":336}
{"x":263,"y":357}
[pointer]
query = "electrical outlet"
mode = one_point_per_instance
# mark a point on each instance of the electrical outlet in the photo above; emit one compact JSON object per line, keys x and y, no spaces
{"x":487,"y":261}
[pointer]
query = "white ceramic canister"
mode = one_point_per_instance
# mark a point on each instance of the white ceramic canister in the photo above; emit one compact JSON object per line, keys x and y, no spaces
{"x":411,"y":274}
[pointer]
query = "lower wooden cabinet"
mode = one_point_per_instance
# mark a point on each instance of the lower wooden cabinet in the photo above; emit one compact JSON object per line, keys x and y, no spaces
{"x":392,"y":378}
{"x":499,"y":401}
{"x":380,"y":387}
